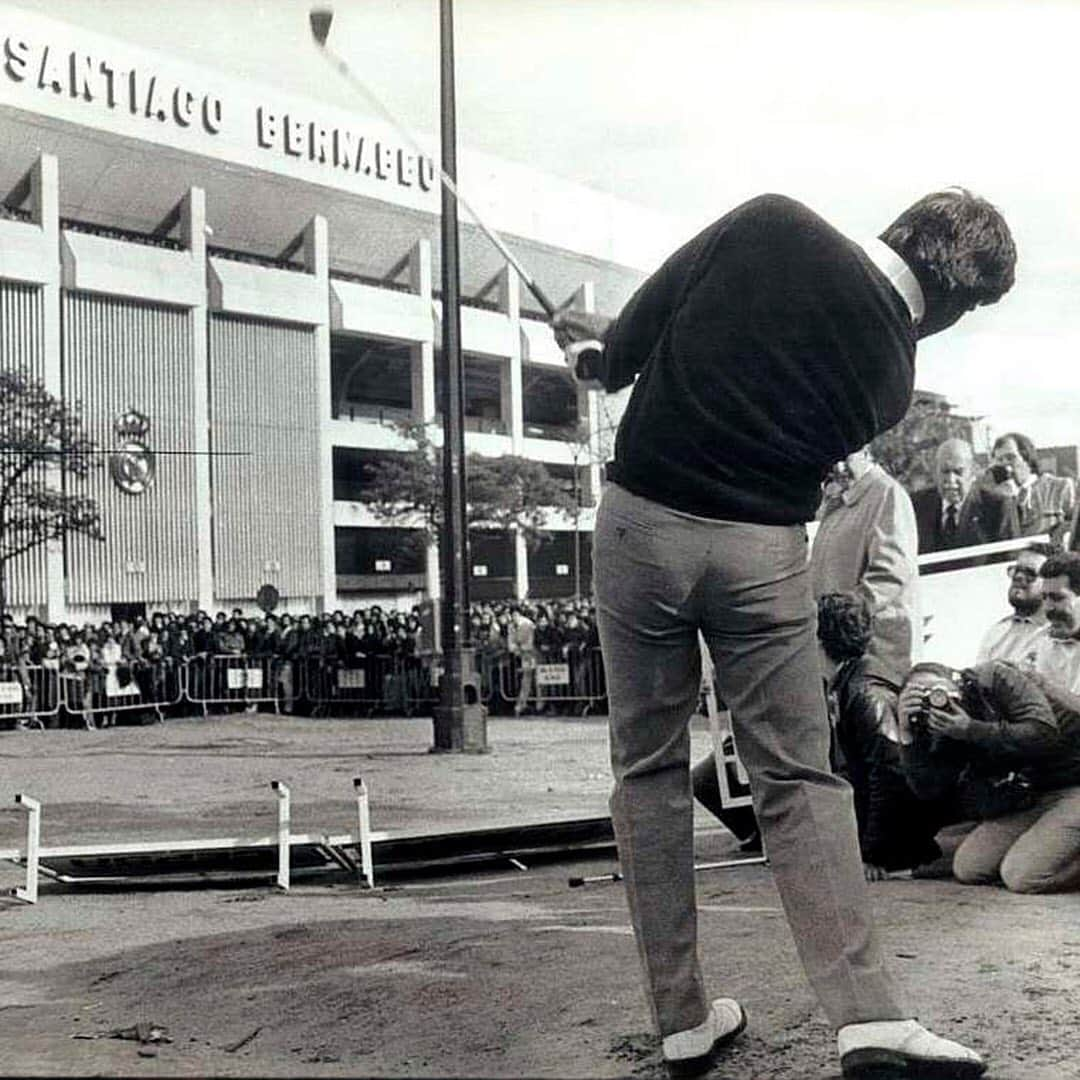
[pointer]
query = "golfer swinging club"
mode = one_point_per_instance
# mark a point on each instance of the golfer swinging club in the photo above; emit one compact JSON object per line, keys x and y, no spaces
{"x":767,"y":348}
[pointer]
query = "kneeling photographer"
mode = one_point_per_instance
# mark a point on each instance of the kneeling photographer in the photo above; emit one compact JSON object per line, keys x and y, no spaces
{"x":989,"y":738}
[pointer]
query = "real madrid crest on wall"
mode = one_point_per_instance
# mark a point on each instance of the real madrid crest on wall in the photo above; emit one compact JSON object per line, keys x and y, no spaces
{"x":132,"y":463}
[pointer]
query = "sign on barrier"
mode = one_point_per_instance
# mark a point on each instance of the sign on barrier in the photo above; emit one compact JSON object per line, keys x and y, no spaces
{"x":552,"y":674}
{"x":239,"y":678}
{"x":117,"y":691}
{"x":11,"y":693}
{"x":352,"y":679}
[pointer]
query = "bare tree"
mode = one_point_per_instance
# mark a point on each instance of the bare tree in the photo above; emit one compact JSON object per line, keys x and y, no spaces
{"x":42,"y":444}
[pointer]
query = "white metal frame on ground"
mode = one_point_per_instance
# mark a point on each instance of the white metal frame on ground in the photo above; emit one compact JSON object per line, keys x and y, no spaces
{"x":334,"y":847}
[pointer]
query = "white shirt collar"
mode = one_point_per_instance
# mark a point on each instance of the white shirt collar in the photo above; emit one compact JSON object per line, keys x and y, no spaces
{"x":899,"y":274}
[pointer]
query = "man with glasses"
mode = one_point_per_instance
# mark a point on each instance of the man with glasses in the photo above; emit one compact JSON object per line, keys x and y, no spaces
{"x":1011,"y":638}
{"x":1043,"y":502}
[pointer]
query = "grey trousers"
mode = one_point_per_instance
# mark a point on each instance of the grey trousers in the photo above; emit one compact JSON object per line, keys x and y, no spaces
{"x":660,"y":575}
{"x":1032,"y":851}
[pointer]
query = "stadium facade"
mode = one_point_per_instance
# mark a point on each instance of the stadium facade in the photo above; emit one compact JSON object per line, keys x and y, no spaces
{"x":236,"y":288}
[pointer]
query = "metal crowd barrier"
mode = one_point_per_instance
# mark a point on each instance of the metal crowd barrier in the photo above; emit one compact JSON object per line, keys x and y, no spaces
{"x":371,"y":686}
{"x":28,"y":694}
{"x":576,"y":682}
{"x":98,"y":695}
{"x":231,"y":681}
{"x":379,"y":684}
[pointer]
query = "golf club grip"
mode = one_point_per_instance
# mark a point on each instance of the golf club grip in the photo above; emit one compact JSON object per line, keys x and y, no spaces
{"x":576,"y":882}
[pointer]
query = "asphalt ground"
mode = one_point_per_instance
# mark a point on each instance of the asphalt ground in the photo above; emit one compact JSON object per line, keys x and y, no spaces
{"x":490,"y":973}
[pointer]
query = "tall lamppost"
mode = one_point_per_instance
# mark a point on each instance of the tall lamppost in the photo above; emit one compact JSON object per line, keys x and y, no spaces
{"x":460,"y":719}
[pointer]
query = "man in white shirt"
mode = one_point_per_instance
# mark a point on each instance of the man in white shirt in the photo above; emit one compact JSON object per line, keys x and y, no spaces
{"x":1011,"y":638}
{"x":521,"y":642}
{"x":1054,"y":654}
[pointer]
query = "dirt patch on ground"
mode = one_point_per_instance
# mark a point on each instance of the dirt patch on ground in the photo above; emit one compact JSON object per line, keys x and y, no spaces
{"x":501,"y":974}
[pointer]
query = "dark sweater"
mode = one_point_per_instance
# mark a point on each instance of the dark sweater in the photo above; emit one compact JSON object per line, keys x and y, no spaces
{"x":769,"y":347}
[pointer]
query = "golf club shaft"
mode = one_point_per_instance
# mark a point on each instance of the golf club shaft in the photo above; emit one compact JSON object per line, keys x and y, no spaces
{"x":346,"y":73}
{"x":727,"y":864}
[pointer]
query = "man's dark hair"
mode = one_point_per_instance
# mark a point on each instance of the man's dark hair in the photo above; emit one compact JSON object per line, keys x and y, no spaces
{"x":844,"y":625}
{"x":1065,"y":564}
{"x":1024,"y":447}
{"x":928,"y":667}
{"x":956,"y":242}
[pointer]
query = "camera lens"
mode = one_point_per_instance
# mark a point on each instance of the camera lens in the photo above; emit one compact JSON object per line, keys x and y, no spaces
{"x":938,"y":698}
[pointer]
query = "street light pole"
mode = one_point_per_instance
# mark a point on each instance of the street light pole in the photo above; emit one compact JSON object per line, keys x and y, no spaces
{"x":459,"y":720}
{"x":577,"y":531}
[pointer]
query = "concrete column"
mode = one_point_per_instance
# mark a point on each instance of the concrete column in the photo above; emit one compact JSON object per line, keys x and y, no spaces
{"x":513,"y":394}
{"x":193,"y":237}
{"x":590,"y":412}
{"x":423,"y":357}
{"x":45,"y":211}
{"x":508,"y":293}
{"x":433,"y":579}
{"x":521,"y":565}
{"x":423,"y":384}
{"x":317,"y":262}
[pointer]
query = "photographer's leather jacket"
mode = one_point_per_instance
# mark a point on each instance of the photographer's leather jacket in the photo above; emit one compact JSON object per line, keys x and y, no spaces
{"x":1014,"y":730}
{"x":896,"y":829}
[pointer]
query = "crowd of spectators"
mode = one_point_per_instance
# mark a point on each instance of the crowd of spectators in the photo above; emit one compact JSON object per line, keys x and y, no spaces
{"x":142,"y":655}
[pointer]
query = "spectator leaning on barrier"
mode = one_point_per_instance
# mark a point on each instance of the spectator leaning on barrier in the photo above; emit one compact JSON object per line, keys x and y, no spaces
{"x":1011,"y":637}
{"x":521,"y":643}
{"x":1010,"y":756}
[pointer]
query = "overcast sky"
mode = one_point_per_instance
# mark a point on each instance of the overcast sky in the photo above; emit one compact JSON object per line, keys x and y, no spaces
{"x":690,"y":106}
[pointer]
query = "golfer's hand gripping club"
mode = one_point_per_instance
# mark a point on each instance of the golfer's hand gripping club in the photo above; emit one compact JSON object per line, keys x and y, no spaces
{"x":579,"y":334}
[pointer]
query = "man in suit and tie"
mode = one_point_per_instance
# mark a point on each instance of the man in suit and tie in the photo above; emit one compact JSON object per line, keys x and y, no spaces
{"x":956,"y":512}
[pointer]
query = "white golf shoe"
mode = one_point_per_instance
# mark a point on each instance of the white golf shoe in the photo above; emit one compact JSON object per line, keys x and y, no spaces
{"x":891,"y":1049}
{"x":690,"y":1052}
